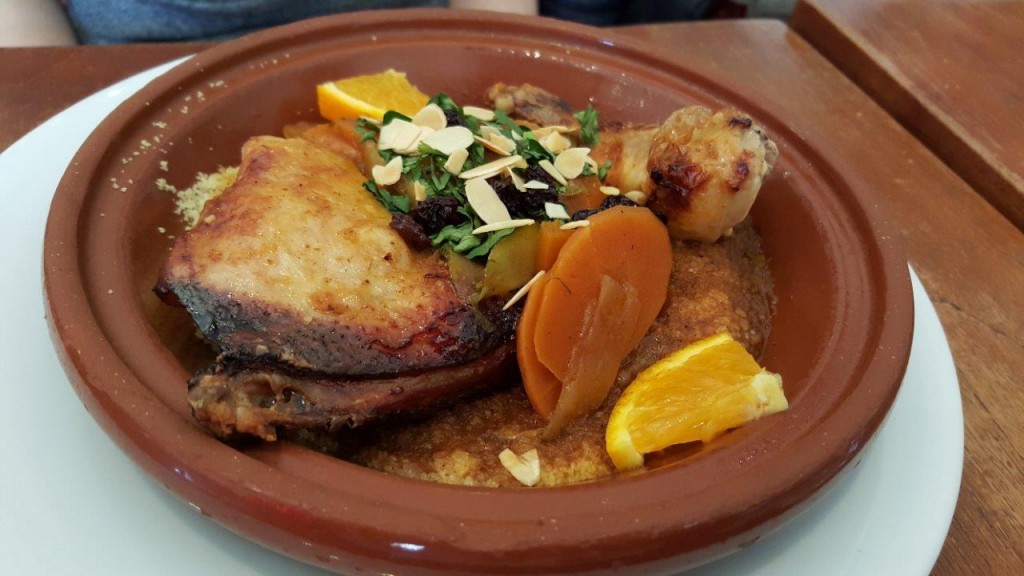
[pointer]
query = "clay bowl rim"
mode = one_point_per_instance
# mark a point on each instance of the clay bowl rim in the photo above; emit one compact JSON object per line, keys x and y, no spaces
{"x":277,"y":507}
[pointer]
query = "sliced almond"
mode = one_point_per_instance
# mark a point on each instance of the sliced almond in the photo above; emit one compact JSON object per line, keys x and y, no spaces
{"x":637,"y":196}
{"x":517,"y":180}
{"x":487,"y":131}
{"x":550,"y":169}
{"x":570,"y":163}
{"x":545,"y":130}
{"x":397,"y":135}
{"x":485,"y":201}
{"x":477,"y":112}
{"x":491,"y":168}
{"x":575,"y":224}
{"x":389,"y":173}
{"x":555,"y":143}
{"x":431,"y":116}
{"x":521,"y":293}
{"x":456,"y":161}
{"x":419,"y":191}
{"x":517,"y":223}
{"x":609,"y":190}
{"x":497,"y":148}
{"x":450,"y":139}
{"x":504,"y":142}
{"x":555,"y":211}
{"x":525,"y":468}
{"x":536,"y":185}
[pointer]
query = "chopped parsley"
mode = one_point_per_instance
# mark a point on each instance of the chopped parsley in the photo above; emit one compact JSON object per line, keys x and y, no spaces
{"x":366,"y":130}
{"x":393,"y":202}
{"x":588,"y":125}
{"x":426,"y":166}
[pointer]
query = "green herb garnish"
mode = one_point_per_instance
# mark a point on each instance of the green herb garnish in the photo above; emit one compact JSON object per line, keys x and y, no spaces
{"x":391,"y":115}
{"x":485,"y":247}
{"x":425,"y":167}
{"x":366,"y":130}
{"x":532,"y":151}
{"x":588,"y":125}
{"x":393,"y":202}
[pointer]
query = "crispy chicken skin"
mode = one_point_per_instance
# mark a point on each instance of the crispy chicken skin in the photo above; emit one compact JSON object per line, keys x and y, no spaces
{"x":235,"y":400}
{"x":701,"y":169}
{"x":296,"y":265}
{"x":706,"y":169}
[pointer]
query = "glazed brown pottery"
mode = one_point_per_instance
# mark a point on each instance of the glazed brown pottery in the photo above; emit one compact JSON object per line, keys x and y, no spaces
{"x":840,"y":338}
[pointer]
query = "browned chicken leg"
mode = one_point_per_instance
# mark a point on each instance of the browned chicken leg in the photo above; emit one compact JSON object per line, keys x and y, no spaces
{"x":701,"y":169}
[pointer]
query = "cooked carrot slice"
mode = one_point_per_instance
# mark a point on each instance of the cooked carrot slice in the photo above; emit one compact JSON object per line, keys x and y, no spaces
{"x":597,"y":301}
{"x":629,"y":244}
{"x":549,"y":243}
{"x":634,"y":248}
{"x":543,"y":388}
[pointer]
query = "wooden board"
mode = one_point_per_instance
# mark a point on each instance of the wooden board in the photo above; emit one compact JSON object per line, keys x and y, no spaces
{"x":951,"y":71}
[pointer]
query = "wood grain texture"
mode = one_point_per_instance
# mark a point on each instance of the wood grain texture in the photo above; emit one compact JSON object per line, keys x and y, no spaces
{"x":969,"y":257}
{"x":36,"y":83}
{"x":951,"y":71}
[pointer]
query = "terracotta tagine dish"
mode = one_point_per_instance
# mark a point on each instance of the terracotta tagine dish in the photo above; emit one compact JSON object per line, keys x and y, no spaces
{"x":840,"y":334}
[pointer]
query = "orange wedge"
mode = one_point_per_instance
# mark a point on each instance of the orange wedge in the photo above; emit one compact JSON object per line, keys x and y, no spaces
{"x":696,"y":393}
{"x":370,"y":95}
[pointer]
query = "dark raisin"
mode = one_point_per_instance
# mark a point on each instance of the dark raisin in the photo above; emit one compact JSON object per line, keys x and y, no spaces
{"x":522,"y":204}
{"x":453,"y":118}
{"x":619,"y":200}
{"x":584,"y":214}
{"x":608,"y":202}
{"x":535,"y":172}
{"x":436,"y":212}
{"x":410,"y":231}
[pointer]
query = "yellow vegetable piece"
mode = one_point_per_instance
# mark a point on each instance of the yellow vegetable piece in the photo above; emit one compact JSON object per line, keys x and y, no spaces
{"x":696,"y":393}
{"x":370,"y":95}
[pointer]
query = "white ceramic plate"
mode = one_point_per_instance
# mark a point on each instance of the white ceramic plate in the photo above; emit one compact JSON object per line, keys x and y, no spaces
{"x":72,"y":503}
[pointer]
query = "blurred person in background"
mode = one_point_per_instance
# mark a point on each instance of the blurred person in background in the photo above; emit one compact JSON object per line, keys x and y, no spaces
{"x":65,"y":22}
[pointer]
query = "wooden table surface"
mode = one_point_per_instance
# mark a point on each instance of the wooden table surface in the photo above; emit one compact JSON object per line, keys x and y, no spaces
{"x":969,"y":257}
{"x":951,"y":71}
